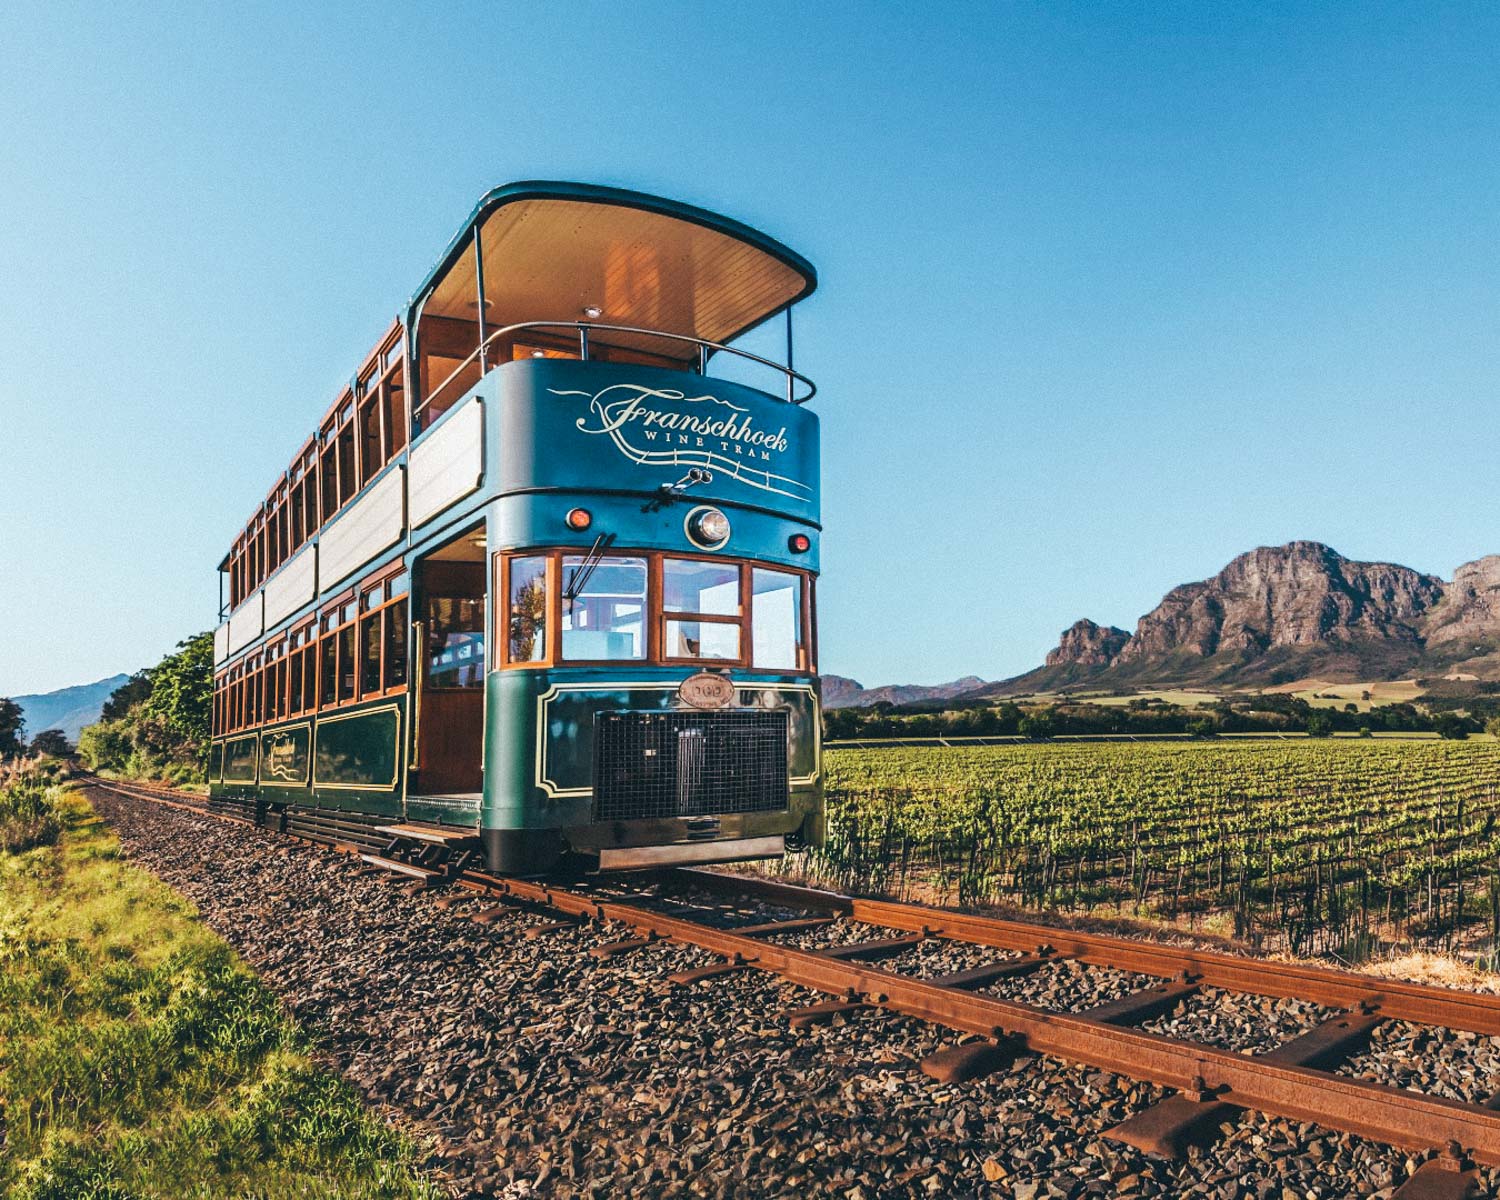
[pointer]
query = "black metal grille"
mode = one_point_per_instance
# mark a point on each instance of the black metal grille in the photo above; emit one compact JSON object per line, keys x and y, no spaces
{"x":688,"y":764}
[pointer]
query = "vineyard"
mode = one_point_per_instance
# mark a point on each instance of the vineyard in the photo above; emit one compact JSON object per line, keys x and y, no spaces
{"x":1314,"y":846}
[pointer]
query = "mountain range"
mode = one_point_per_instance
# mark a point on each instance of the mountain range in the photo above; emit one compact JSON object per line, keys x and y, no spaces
{"x":69,"y":708}
{"x":1274,"y":615}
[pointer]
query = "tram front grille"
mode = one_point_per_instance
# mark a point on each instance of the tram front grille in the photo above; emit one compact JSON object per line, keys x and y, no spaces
{"x":689,"y":764}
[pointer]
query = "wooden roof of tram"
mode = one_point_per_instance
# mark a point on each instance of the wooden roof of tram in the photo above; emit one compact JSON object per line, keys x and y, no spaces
{"x":551,"y":250}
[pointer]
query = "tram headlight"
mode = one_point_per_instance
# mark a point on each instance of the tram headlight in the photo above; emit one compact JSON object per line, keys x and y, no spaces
{"x":799,"y":543}
{"x":580,"y":519}
{"x":708,"y":527}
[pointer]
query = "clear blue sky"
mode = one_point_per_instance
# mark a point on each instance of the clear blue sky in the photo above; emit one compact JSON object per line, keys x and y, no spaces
{"x":1109,"y":292}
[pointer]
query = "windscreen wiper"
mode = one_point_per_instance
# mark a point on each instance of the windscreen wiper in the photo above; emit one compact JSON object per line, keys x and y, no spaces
{"x":579,"y":578}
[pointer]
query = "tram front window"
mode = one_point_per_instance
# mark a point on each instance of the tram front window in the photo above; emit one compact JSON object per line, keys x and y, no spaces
{"x":604,"y":609}
{"x":776,"y":621}
{"x":700,"y":590}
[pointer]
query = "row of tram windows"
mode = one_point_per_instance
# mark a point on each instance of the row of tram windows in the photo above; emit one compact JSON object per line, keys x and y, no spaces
{"x":653,"y":607}
{"x":355,"y":651}
{"x":361,"y":433}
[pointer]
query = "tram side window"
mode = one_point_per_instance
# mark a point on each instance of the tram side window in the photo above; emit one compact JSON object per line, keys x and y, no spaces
{"x":252,"y":693}
{"x":307,"y":656}
{"x":370,"y":645}
{"x":395,"y":402}
{"x":371,"y":455}
{"x":701,"y":600}
{"x":396,"y":621}
{"x":328,"y":472}
{"x":776,"y":621}
{"x":346,"y":664}
{"x":294,"y":681}
{"x":603,"y":609}
{"x":526,"y":636}
{"x":347,"y":481}
{"x":329,"y":669}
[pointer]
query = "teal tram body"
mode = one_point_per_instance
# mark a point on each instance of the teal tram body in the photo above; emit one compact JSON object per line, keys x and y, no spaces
{"x":544,"y":578}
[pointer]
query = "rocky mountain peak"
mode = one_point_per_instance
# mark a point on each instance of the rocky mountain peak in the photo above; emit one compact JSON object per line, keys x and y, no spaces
{"x":1086,"y":644}
{"x":1299,"y":594}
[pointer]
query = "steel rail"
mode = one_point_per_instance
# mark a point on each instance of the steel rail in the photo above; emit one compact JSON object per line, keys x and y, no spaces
{"x":1201,"y":1073}
{"x":1474,"y":1012}
{"x":1385,"y":1114}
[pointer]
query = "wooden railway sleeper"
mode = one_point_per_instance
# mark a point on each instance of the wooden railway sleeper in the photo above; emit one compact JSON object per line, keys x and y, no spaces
{"x":1208,"y":1079}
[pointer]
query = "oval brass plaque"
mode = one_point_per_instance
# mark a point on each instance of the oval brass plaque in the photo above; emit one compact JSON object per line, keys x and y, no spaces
{"x":707,"y":690}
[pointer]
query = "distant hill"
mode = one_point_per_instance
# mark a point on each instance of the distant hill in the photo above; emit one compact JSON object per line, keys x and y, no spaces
{"x":1283,"y":613}
{"x":841,"y":692}
{"x":69,"y":708}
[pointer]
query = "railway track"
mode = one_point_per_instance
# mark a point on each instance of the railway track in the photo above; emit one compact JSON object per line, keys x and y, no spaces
{"x":1210,"y":1085}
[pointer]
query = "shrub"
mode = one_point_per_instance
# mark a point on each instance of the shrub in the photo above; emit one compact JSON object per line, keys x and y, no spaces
{"x":1451,"y":727}
{"x":28,"y":808}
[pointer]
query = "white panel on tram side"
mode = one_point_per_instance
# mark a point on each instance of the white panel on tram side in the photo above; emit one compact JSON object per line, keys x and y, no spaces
{"x":221,"y":643}
{"x":448,"y":463}
{"x":247,"y":622}
{"x":373,"y":523}
{"x":292,"y":587}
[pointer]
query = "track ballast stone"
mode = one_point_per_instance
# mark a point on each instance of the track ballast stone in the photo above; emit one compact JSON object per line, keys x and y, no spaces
{"x":537,"y":1070}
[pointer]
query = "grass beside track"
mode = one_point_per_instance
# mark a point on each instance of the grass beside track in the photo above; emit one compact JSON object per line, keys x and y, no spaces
{"x":140,"y":1058}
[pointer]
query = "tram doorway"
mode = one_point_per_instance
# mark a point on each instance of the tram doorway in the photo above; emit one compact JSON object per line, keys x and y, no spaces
{"x":449,"y":593}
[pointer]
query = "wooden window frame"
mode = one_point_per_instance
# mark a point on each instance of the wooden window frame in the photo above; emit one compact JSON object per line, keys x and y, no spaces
{"x":656,"y":614}
{"x":323,"y":631}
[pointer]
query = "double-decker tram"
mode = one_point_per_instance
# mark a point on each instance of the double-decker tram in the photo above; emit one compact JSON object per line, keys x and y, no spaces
{"x":542,"y":582}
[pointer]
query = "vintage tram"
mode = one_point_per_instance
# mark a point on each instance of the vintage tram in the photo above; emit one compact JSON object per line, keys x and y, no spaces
{"x":544,"y":577}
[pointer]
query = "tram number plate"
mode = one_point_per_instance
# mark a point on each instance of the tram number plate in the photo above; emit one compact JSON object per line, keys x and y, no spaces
{"x":707,"y":690}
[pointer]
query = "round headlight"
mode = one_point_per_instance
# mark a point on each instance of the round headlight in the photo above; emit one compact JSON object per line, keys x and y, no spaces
{"x":708,"y":527}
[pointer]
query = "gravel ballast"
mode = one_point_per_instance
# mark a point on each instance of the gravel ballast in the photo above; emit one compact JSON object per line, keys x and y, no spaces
{"x":537,"y":1070}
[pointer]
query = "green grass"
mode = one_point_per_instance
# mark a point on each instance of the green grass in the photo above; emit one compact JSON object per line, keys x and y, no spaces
{"x":140,"y":1058}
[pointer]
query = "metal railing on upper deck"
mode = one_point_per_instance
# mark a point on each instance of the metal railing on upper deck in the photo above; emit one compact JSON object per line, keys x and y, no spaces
{"x":585,"y":329}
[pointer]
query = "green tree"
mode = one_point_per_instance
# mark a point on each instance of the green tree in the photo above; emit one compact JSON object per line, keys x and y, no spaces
{"x":1451,"y":727}
{"x":162,"y":724}
{"x":1039,"y":723}
{"x":12,"y":727}
{"x":1319,"y":725}
{"x":127,"y":696}
{"x":52,"y":741}
{"x":1492,"y":727}
{"x":182,"y":691}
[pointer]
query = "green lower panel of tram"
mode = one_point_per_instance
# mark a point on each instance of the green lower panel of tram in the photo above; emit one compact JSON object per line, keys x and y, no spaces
{"x":350,"y":760}
{"x":603,"y":763}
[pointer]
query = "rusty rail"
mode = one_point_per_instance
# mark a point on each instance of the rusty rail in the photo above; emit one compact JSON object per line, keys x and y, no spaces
{"x":1292,"y":1081}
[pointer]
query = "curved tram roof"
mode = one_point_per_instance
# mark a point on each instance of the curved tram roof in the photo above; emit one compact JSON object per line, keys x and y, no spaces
{"x":551,"y":250}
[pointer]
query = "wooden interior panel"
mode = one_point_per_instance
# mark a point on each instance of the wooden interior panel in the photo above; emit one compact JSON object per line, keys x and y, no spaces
{"x":449,"y":741}
{"x":547,"y":260}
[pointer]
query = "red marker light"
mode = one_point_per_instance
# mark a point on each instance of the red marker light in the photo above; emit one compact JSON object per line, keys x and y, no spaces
{"x":580,"y":518}
{"x":800,"y":543}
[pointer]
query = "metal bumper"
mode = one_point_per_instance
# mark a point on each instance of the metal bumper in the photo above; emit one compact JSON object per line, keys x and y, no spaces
{"x":634,"y":858}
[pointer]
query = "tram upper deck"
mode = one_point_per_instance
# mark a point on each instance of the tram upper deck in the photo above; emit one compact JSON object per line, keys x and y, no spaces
{"x":540,"y":273}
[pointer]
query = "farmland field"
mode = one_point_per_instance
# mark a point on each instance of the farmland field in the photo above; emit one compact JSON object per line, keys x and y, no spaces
{"x":1316,"y":846}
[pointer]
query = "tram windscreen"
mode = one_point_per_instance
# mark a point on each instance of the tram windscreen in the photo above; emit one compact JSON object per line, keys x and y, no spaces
{"x":776,"y":621}
{"x":604,"y":610}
